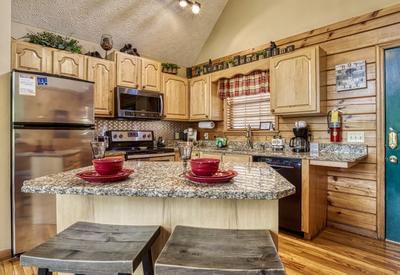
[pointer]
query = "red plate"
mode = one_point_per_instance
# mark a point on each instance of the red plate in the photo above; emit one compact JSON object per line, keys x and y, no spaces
{"x":94,"y":177}
{"x":219,"y":177}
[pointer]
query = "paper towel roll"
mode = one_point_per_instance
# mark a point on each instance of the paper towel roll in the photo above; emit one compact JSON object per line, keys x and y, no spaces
{"x":206,"y":125}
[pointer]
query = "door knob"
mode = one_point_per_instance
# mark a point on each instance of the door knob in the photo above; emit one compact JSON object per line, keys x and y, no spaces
{"x":392,"y":139}
{"x":393,"y":159}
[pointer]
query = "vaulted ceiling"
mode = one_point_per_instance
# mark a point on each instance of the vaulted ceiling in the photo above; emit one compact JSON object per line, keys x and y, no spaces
{"x":158,"y":28}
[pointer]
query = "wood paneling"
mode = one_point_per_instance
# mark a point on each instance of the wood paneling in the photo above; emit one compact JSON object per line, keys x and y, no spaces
{"x":344,"y":42}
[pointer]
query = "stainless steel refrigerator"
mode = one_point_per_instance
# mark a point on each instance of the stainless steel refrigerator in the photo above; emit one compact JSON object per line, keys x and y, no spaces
{"x":52,"y":126}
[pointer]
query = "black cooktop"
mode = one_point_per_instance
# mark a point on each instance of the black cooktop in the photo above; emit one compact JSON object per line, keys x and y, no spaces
{"x":143,"y":150}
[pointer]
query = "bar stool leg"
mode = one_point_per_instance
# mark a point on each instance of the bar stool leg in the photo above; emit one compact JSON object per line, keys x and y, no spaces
{"x":148,"y":268}
{"x":44,"y":271}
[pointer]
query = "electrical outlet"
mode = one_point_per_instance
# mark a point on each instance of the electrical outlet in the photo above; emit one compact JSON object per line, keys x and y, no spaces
{"x":205,"y":136}
{"x":355,"y":137}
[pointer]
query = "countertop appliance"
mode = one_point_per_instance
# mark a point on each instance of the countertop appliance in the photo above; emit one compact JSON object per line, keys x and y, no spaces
{"x":137,"y":144}
{"x":52,"y":126}
{"x":278,"y":143}
{"x":138,"y":104}
{"x":301,"y":140}
{"x":289,"y":207}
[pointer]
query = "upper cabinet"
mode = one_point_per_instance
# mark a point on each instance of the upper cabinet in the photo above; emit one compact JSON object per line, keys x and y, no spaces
{"x":30,"y":57}
{"x":151,"y":75}
{"x":205,"y":103}
{"x":69,"y":64}
{"x":176,"y":97}
{"x":296,"y":83}
{"x":102,"y":73}
{"x":128,"y":69}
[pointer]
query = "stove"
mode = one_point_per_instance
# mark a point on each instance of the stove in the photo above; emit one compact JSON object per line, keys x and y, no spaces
{"x":136,"y":144}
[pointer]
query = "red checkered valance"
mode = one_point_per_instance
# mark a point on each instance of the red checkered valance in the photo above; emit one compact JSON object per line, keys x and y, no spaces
{"x":251,"y":84}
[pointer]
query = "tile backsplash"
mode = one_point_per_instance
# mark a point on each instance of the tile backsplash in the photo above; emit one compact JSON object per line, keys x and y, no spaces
{"x":165,"y":129}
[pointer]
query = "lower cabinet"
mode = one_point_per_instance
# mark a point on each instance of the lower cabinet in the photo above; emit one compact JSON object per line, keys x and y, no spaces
{"x":225,"y":157}
{"x":176,"y":97}
{"x":102,"y":73}
{"x":236,"y":158}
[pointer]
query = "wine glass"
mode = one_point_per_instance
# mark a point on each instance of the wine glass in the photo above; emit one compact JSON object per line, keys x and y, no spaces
{"x":98,"y":149}
{"x":185,"y":151}
{"x":106,"y":42}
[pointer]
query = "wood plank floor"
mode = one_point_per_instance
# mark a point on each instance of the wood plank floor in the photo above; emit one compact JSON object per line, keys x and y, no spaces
{"x":332,"y":252}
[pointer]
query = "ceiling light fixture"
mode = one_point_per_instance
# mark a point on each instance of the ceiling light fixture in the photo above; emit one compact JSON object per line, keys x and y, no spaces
{"x":196,"y":7}
{"x":183,"y":3}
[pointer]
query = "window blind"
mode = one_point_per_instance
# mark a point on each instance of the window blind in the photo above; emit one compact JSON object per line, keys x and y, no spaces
{"x":250,"y":109}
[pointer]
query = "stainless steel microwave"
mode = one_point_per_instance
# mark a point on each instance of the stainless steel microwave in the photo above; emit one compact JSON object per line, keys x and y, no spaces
{"x":133,"y":103}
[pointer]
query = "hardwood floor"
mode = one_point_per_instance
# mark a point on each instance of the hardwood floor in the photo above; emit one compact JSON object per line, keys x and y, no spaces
{"x":332,"y":252}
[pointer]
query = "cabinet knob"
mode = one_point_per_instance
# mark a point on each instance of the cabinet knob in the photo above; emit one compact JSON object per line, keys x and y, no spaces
{"x":144,"y":86}
{"x":272,"y":110}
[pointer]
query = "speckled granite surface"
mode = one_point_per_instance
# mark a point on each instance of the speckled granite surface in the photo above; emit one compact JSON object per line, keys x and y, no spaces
{"x":163,"y":179}
{"x":328,"y":152}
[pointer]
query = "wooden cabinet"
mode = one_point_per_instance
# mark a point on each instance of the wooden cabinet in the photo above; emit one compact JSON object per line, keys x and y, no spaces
{"x":69,"y":64}
{"x":102,"y":73}
{"x":236,"y":158}
{"x":151,"y":75}
{"x":296,"y":83}
{"x":205,"y":103}
{"x":30,"y":57}
{"x":211,"y":155}
{"x":127,"y":69}
{"x":176,"y":97}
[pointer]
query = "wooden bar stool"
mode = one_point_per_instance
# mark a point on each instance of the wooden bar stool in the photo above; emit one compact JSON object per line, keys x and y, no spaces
{"x":92,"y":248}
{"x":192,"y":250}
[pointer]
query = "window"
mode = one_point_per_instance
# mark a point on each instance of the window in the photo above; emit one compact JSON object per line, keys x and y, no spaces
{"x":248,"y":109}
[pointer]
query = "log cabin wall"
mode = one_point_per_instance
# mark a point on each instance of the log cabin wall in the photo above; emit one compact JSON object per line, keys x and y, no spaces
{"x":352,"y":193}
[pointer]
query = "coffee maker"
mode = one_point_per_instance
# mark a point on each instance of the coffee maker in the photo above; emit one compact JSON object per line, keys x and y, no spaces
{"x":301,"y":140}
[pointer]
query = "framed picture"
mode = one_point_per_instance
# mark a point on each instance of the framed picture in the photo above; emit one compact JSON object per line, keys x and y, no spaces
{"x":351,"y":76}
{"x":266,"y":125}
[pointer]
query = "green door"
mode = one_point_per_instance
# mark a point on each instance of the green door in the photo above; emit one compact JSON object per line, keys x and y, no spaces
{"x":392,"y":104}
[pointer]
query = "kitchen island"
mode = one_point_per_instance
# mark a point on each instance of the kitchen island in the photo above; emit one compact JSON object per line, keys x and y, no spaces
{"x":157,"y":194}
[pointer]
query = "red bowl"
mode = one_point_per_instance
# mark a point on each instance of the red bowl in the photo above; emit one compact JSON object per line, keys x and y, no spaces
{"x":204,"y":166}
{"x":108,"y":166}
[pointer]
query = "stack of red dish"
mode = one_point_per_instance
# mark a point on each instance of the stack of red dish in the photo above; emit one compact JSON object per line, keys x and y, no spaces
{"x":205,"y":170}
{"x":106,"y":170}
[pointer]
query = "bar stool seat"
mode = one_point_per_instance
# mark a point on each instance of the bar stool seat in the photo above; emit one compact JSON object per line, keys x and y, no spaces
{"x":192,"y":250}
{"x":92,"y":248}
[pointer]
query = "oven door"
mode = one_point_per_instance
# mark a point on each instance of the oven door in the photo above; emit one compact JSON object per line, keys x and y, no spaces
{"x":132,"y":103}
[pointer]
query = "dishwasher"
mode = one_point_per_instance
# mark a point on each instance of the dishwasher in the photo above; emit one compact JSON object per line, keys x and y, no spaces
{"x":289,"y":207}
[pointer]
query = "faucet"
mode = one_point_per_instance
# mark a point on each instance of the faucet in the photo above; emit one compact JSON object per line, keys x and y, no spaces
{"x":249,"y":136}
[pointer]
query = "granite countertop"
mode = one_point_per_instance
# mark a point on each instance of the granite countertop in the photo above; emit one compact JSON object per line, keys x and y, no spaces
{"x":328,"y":152}
{"x":256,"y":181}
{"x":323,"y":156}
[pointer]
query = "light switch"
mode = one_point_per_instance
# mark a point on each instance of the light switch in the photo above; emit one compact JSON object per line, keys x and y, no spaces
{"x":355,"y":137}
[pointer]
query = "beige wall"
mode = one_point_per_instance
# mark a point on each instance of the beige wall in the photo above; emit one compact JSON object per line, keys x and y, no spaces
{"x":5,"y":34}
{"x":246,"y":24}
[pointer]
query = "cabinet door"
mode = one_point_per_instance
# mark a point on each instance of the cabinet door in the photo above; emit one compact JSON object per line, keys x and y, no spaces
{"x":69,"y":64}
{"x":101,"y":72}
{"x":200,"y":98}
{"x":29,"y":57}
{"x":128,"y":70}
{"x":236,"y":158}
{"x":151,"y":75}
{"x":295,"y":82}
{"x":176,"y":97}
{"x":211,"y":155}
